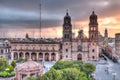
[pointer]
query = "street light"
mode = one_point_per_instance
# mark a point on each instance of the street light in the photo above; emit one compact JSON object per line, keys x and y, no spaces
{"x":114,"y":75}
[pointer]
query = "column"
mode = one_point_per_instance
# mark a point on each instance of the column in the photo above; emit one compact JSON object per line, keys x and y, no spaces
{"x":37,"y":56}
{"x":19,"y":76}
{"x":18,"y":55}
{"x":28,"y":75}
{"x":23,"y":55}
{"x":30,"y":56}
{"x":56,"y":56}
{"x":12,"y":55}
{"x":49,"y":56}
{"x":43,"y":57}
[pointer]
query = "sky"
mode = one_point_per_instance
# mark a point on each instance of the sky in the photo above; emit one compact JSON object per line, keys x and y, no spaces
{"x":18,"y":17}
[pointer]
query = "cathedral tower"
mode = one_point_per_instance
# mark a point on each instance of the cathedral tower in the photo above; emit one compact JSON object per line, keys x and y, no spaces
{"x":67,"y":38}
{"x":93,"y":37}
{"x":93,"y":28}
{"x":67,"y":28}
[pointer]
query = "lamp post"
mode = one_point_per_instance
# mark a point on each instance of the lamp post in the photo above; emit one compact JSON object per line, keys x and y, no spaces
{"x":114,"y":75}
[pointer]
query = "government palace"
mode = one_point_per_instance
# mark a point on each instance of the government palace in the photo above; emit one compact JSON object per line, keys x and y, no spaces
{"x":69,"y":48}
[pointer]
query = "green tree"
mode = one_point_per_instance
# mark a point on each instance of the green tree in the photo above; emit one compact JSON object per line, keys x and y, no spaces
{"x":13,"y":63}
{"x":89,"y":68}
{"x":3,"y":63}
{"x":51,"y":75}
{"x":62,"y":64}
{"x":30,"y":78}
{"x":10,"y":68}
{"x":73,"y":74}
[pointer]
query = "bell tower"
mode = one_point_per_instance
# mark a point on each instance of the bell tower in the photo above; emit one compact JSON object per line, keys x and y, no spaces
{"x":67,"y":38}
{"x":93,"y":37}
{"x":93,"y":28}
{"x":67,"y":28}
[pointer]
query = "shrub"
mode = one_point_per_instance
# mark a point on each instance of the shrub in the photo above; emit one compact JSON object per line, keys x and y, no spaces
{"x":13,"y":63}
{"x":10,"y":68}
{"x":7,"y":74}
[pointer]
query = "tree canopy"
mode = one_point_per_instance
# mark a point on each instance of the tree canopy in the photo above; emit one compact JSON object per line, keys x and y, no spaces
{"x":69,"y":70}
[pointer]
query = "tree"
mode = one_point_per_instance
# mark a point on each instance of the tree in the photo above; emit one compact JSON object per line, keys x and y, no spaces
{"x":51,"y":75}
{"x":3,"y":63}
{"x":30,"y":78}
{"x":68,"y":70}
{"x":10,"y":68}
{"x":13,"y":63}
{"x":62,"y":64}
{"x":73,"y":74}
{"x":89,"y":68}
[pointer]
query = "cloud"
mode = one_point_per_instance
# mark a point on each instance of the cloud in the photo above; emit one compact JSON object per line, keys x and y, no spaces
{"x":26,"y":13}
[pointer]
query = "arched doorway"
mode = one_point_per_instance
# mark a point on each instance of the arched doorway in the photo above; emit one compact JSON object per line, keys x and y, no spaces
{"x":40,"y":56}
{"x":46,"y":57}
{"x":21,"y":55}
{"x":34,"y":56}
{"x":53,"y":57}
{"x":27,"y":55}
{"x":24,"y":76}
{"x":15,"y":55}
{"x":79,"y":57}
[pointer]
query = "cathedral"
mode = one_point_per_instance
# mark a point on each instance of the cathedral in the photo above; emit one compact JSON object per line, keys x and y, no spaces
{"x":79,"y":48}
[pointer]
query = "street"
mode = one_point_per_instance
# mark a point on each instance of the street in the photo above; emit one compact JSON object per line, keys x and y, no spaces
{"x":107,"y":70}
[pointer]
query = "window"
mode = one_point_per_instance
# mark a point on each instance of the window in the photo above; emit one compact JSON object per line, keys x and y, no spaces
{"x":92,"y":36}
{"x":66,"y":50}
{"x":1,"y":51}
{"x":93,"y":50}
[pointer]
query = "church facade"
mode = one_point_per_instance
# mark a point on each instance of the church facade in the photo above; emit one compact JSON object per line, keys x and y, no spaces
{"x":79,"y":48}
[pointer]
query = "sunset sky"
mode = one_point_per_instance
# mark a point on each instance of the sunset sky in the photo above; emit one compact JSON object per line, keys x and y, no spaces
{"x":18,"y":17}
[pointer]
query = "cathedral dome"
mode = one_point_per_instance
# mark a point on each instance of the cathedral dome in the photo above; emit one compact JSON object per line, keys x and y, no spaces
{"x":67,"y":17}
{"x":93,"y":15}
{"x":28,"y":66}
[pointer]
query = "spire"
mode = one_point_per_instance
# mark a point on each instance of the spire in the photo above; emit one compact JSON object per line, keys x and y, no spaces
{"x":67,"y":12}
{"x":93,"y":12}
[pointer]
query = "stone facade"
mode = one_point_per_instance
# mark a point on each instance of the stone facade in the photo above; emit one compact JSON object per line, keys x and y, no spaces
{"x":35,"y":50}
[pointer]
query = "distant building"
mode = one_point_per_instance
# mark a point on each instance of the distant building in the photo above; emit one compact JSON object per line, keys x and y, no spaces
{"x":4,"y":48}
{"x":117,"y":44}
{"x":106,"y":33}
{"x":110,"y":50}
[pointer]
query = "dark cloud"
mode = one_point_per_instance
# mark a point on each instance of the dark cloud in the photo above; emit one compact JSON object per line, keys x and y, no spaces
{"x":25,"y":13}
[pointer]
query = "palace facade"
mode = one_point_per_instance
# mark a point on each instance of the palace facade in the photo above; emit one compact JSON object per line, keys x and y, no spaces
{"x":79,"y":48}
